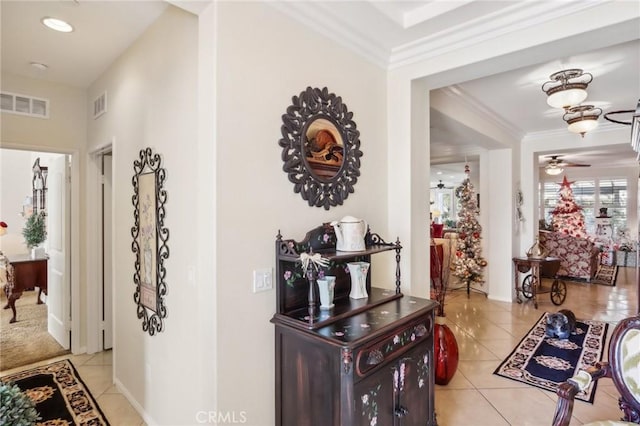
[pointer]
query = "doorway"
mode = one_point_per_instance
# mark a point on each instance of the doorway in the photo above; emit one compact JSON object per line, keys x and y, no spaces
{"x":61,"y":198}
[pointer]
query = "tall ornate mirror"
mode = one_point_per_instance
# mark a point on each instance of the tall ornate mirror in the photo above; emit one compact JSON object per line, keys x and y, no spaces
{"x":320,"y":148}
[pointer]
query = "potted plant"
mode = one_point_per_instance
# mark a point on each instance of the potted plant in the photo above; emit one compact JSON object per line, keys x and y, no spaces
{"x":16,"y":408}
{"x":35,"y":232}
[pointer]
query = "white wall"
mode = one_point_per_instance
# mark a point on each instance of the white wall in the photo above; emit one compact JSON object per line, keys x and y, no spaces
{"x":258,"y":73}
{"x":15,"y":184}
{"x":63,"y":132}
{"x":152,"y":102}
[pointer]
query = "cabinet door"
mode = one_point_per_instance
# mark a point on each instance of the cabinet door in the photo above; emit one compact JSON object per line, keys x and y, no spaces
{"x":374,"y":399}
{"x":400,"y":393}
{"x":414,"y":391}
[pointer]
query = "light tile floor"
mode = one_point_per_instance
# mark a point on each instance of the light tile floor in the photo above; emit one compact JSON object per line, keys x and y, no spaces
{"x":96,"y":372}
{"x":486,"y":331}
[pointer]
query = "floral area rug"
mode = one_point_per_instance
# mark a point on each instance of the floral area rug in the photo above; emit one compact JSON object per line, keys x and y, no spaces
{"x":546,"y":362}
{"x":60,"y":396}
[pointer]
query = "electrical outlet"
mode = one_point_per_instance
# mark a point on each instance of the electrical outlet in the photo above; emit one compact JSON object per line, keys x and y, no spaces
{"x":262,"y":280}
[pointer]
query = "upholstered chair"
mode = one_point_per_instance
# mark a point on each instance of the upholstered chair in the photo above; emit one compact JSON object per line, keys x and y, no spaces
{"x":623,"y":368}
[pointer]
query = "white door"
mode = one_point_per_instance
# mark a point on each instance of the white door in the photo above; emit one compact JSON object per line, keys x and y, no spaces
{"x":107,"y":276}
{"x":58,"y":230}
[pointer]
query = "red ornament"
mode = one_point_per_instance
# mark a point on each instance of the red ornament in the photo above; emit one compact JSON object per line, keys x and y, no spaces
{"x":476,"y":235}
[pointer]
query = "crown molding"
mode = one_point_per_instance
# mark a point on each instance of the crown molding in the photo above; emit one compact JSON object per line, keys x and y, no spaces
{"x":333,"y":27}
{"x":461,"y":97}
{"x":505,"y":21}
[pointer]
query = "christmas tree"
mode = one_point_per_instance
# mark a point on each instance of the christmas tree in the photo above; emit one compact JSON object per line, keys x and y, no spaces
{"x":568,"y":217}
{"x":469,"y":263}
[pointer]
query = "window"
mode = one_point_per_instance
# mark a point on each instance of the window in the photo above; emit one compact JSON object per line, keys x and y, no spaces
{"x":591,"y":195}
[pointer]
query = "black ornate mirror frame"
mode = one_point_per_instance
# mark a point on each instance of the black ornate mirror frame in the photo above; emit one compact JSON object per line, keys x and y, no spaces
{"x":149,"y":240}
{"x":318,"y":104}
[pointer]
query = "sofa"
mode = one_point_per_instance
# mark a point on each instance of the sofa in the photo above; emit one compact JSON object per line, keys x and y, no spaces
{"x":579,"y":257}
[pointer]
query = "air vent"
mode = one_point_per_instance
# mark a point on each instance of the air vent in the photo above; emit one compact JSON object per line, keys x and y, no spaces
{"x":100,"y":105}
{"x":24,"y":105}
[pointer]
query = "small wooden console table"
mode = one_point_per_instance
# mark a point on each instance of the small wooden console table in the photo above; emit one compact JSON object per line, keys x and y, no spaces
{"x":24,"y":272}
{"x":532,"y":284}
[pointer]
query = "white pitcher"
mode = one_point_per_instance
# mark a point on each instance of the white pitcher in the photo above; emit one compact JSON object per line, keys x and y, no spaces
{"x":358,"y":272}
{"x":350,"y":233}
{"x":326,"y":286}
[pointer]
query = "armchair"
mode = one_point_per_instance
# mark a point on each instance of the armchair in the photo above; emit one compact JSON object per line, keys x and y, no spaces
{"x":623,"y":368}
{"x":579,"y":257}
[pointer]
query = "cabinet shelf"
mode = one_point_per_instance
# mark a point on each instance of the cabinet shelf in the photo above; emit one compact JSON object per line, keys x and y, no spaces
{"x":332,"y":254}
{"x":344,"y":307}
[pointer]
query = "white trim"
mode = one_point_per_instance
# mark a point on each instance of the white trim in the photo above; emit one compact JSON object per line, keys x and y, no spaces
{"x":135,"y":404}
{"x":74,"y":251}
{"x":94,"y":249}
{"x":93,"y":254}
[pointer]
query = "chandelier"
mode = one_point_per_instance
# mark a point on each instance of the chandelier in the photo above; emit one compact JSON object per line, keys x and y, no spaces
{"x":582,"y":118}
{"x":567,"y":88}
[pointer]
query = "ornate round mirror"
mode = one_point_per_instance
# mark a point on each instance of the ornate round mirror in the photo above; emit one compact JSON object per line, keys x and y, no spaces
{"x":320,"y":147}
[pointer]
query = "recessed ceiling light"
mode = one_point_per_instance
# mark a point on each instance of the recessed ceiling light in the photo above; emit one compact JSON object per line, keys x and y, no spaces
{"x":57,"y":24}
{"x":39,"y":65}
{"x":438,"y":173}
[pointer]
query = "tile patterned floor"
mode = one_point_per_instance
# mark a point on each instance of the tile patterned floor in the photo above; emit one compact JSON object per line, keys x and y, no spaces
{"x":486,"y":332}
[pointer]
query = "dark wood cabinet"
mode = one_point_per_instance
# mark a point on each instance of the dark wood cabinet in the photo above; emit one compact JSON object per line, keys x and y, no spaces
{"x":364,"y":362}
{"x":23,"y":273}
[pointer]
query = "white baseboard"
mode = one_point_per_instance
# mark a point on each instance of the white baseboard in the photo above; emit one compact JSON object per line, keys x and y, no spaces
{"x":125,"y":392}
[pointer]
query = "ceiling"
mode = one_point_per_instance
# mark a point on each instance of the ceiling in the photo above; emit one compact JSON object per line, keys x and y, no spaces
{"x":388,"y":33}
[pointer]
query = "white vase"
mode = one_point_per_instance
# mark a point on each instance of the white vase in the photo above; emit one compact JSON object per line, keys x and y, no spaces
{"x":326,"y":286}
{"x":358,"y":272}
{"x":37,"y":252}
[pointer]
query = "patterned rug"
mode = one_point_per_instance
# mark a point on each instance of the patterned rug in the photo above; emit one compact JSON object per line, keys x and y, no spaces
{"x":60,"y":396}
{"x":606,"y":275}
{"x":546,"y":362}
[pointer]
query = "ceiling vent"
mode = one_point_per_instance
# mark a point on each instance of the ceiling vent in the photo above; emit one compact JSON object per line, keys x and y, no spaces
{"x":100,"y":105}
{"x":24,"y":105}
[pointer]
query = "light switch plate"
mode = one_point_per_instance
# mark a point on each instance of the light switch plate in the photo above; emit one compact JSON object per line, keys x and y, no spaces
{"x":262,"y":280}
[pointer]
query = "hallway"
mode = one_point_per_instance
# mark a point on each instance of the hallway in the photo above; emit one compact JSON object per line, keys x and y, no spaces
{"x":486,"y":332}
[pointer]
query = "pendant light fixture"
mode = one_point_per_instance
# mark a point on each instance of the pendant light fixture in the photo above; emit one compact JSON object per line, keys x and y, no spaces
{"x":553,"y":170}
{"x":567,"y":88}
{"x":582,"y":118}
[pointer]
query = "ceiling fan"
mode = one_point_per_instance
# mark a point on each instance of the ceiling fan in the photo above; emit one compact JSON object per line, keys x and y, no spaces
{"x":441,"y":185}
{"x":555,"y":165}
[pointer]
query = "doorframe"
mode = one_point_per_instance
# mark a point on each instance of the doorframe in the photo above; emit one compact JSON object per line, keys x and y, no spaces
{"x":94,"y":248}
{"x":74,"y":250}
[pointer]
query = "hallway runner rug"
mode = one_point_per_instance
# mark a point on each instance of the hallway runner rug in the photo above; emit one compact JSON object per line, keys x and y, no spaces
{"x":60,"y":396}
{"x":546,"y":362}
